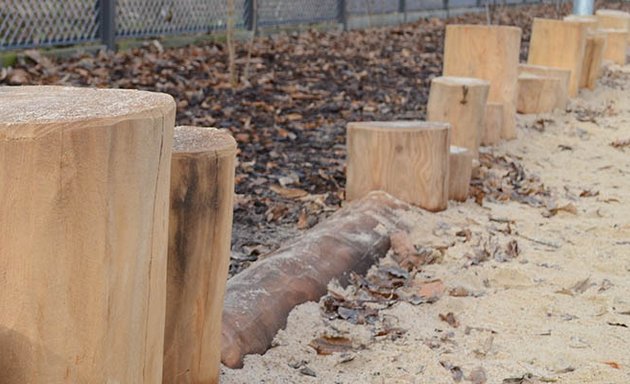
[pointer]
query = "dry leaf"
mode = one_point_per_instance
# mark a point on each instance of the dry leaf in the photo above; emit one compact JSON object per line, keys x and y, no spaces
{"x":327,"y":345}
{"x":289,"y":193}
{"x":450,"y":319}
{"x":612,"y":364}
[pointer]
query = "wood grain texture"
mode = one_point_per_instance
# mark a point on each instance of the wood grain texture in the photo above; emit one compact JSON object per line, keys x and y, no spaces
{"x":563,"y":74}
{"x":616,"y":45}
{"x":537,"y":93}
{"x":259,"y":299}
{"x":612,"y":19}
{"x":83,"y":234}
{"x":461,"y":102}
{"x":492,"y":123}
{"x":490,"y":53}
{"x":594,"y":50}
{"x":560,"y":44}
{"x":593,"y":59}
{"x":200,"y":230}
{"x":460,"y":171}
{"x":408,"y":159}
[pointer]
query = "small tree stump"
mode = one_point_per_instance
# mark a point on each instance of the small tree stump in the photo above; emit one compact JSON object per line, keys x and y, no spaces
{"x":564,"y":75}
{"x":537,"y":94}
{"x":461,"y":102}
{"x":200,"y":228}
{"x":84,"y":197}
{"x":616,"y":45}
{"x":612,"y":19}
{"x":461,"y":162}
{"x":560,"y":44}
{"x":490,"y":53}
{"x":493,"y":121}
{"x":594,"y":50}
{"x":408,"y":159}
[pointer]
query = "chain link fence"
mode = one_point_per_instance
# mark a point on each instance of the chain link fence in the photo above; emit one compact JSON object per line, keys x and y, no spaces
{"x":41,"y":23}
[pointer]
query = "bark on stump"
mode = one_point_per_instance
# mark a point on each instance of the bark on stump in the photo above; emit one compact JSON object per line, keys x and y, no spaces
{"x":200,"y":228}
{"x":490,"y":53}
{"x":408,"y":159}
{"x":83,"y":234}
{"x":461,"y":102}
{"x":259,"y":299}
{"x":461,"y":162}
{"x":560,"y":44}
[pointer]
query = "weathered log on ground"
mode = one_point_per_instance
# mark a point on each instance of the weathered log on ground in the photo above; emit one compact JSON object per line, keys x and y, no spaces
{"x":259,"y":299}
{"x":200,"y":228}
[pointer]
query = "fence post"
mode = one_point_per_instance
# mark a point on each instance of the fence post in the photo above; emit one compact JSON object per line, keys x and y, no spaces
{"x":402,"y":8}
{"x":249,"y":14}
{"x":342,"y":14}
{"x":107,"y":27}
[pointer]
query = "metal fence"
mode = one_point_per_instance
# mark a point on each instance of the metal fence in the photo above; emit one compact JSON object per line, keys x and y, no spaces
{"x":40,"y":23}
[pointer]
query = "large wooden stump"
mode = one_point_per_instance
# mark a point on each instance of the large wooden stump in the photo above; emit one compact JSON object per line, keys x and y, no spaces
{"x":537,"y":94}
{"x":83,"y":234}
{"x":461,"y":102}
{"x":564,"y":75}
{"x":560,"y":44}
{"x":490,"y":53}
{"x":493,"y":121}
{"x":200,"y":228}
{"x":259,"y":299}
{"x":408,"y":159}
{"x":616,"y":45}
{"x":461,"y":163}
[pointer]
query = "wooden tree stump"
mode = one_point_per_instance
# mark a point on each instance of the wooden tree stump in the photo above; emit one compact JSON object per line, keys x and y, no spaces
{"x":594,"y":50}
{"x":493,"y":121}
{"x":537,"y":94}
{"x":200,"y":228}
{"x":83,"y":234}
{"x":613,"y":19}
{"x":490,"y":53}
{"x":560,"y":44}
{"x":461,"y":102}
{"x":461,"y":162}
{"x":616,"y":45}
{"x":564,"y":75}
{"x":408,"y":159}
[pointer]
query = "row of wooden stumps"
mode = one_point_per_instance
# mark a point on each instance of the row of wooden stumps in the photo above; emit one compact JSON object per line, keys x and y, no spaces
{"x":115,"y":226}
{"x":88,"y":291}
{"x":475,"y":103}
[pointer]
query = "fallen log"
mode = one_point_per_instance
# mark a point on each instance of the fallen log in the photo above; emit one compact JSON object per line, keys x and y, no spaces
{"x":259,"y":299}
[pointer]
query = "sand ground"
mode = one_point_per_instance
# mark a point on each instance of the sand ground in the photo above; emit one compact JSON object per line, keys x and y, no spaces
{"x":558,"y":312}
